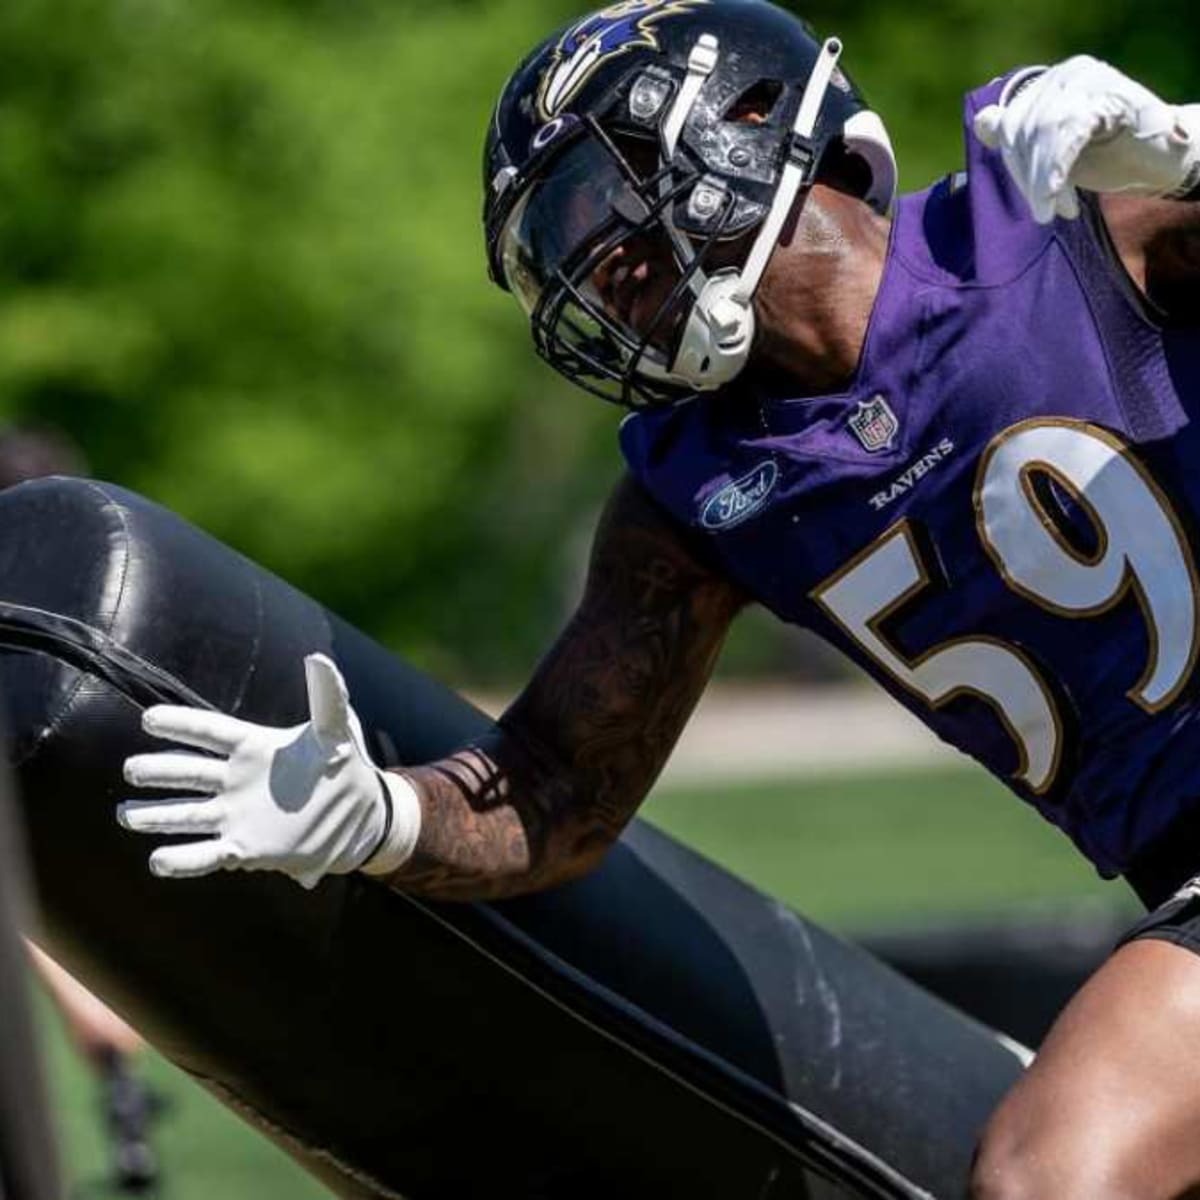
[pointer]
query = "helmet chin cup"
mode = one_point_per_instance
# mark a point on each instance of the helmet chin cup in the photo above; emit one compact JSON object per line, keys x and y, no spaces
{"x":717,"y":336}
{"x":864,"y":134}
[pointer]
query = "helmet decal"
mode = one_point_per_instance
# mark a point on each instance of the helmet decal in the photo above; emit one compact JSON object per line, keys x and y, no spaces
{"x":597,"y":38}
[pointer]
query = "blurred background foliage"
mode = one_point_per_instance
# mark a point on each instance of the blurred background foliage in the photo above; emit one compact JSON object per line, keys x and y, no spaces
{"x":241,"y":263}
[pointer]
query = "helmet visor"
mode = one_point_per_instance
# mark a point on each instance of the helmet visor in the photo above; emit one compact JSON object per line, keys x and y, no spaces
{"x":585,"y":195}
{"x":589,"y":257}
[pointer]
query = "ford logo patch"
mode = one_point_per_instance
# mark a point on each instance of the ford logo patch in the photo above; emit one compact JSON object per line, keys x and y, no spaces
{"x":740,"y":499}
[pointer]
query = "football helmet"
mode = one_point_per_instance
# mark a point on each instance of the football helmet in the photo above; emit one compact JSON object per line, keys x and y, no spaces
{"x":638,"y":171}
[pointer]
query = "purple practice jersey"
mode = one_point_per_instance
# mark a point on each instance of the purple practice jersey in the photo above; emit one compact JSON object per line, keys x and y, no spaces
{"x":993,"y":518}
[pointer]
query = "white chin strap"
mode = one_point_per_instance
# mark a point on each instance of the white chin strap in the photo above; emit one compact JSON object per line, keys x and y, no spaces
{"x":720,"y":326}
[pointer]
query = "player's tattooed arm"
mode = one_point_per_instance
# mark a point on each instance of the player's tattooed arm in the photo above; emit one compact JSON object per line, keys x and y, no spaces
{"x":539,"y":799}
{"x":1158,"y":242}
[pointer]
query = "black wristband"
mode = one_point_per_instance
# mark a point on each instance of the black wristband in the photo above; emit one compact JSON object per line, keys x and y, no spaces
{"x":388,"y":817}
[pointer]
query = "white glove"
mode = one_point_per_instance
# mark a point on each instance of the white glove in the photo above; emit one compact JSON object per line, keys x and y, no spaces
{"x":306,"y":801}
{"x":1082,"y":124}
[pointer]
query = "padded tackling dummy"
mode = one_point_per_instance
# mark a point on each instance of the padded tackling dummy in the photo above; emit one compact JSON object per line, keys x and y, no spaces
{"x":657,"y":1029}
{"x":1015,"y":973}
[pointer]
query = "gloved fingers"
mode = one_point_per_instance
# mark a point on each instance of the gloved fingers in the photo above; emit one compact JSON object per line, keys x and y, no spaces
{"x":1160,"y":127}
{"x":1023,"y":152}
{"x":328,"y":701}
{"x":176,"y":770}
{"x":199,"y":727}
{"x":1058,"y":178}
{"x":987,"y":125}
{"x":1043,"y":187}
{"x":1042,"y":162}
{"x":171,"y":816}
{"x":1017,"y":163}
{"x":192,"y":858}
{"x":1029,"y":171}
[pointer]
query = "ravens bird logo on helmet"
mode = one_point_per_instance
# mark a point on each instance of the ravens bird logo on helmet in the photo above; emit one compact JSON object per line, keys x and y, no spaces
{"x":597,"y":38}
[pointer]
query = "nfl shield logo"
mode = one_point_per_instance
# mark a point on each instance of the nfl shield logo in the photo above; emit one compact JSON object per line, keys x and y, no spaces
{"x":874,"y":424}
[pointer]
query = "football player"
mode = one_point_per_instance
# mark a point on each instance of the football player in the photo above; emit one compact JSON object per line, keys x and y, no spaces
{"x":952,"y":433}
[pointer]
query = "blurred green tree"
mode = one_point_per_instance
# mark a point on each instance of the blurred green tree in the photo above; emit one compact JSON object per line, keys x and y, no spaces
{"x":240,"y":261}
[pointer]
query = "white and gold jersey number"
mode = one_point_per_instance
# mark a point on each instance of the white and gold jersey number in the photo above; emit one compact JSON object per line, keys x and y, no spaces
{"x":1138,"y":547}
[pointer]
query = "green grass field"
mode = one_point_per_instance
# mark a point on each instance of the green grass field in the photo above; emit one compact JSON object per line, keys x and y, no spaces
{"x":854,"y":850}
{"x":851,"y":851}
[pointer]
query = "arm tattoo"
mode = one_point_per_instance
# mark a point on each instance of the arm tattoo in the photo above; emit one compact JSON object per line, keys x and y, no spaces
{"x":547,"y":791}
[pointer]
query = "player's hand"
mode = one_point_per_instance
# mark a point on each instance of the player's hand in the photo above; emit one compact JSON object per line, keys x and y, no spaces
{"x":306,"y":800}
{"x":1083,"y":124}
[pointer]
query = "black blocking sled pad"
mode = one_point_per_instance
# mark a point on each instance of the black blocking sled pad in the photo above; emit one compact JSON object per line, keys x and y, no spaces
{"x":658,"y":1029}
